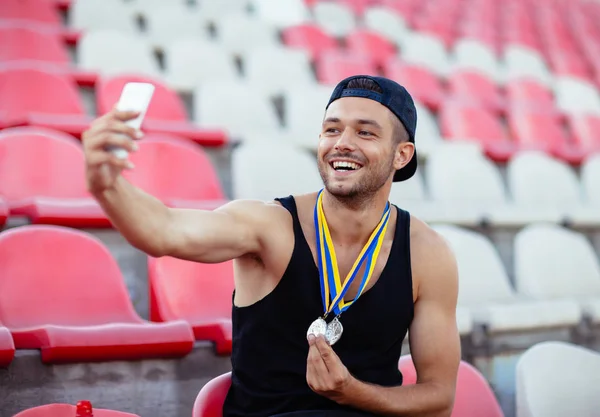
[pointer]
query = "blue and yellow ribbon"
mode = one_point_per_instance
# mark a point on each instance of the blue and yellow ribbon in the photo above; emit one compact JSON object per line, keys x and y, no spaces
{"x":333,"y":289}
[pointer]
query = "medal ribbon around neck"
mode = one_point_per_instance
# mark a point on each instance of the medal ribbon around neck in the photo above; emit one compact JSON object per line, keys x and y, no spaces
{"x":332,"y":289}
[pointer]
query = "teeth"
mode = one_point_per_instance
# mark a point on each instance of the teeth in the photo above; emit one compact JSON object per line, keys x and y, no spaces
{"x":344,"y":164}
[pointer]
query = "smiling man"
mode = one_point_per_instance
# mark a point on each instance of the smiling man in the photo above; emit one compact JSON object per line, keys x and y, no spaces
{"x":327,"y":284}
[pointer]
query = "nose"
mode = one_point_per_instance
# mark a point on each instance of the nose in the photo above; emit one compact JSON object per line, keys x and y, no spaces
{"x":345,"y":142}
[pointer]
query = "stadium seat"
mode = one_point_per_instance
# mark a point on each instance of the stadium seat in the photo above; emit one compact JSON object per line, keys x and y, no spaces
{"x":78,"y":307}
{"x":175,"y":171}
{"x":197,"y":293}
{"x":256,"y":170}
{"x":168,"y":23}
{"x":166,"y":113}
{"x":36,"y":97}
{"x":239,"y":33}
{"x":29,"y":12}
{"x":476,"y":88}
{"x":473,"y":55}
{"x":90,"y":15}
{"x":523,"y":62}
{"x":210,"y":399}
{"x":585,"y":128}
{"x":111,"y":52}
{"x":282,"y":13}
{"x":590,"y":179}
{"x":336,"y":19}
{"x":3,"y":211}
{"x":474,"y":396}
{"x":543,"y":131}
{"x":428,"y":132}
{"x":32,"y":44}
{"x":467,"y":122}
{"x":335,"y":65}
{"x":68,"y":410}
{"x":576,"y":96}
{"x":213,"y":11}
{"x":426,"y":50}
{"x":555,"y":379}
{"x":485,"y":289}
{"x":310,"y":38}
{"x":7,"y":347}
{"x":423,"y":85}
{"x":371,"y":44}
{"x":42,"y":177}
{"x":387,"y":22}
{"x":528,"y":94}
{"x":273,"y":69}
{"x":551,"y":262}
{"x":192,"y":62}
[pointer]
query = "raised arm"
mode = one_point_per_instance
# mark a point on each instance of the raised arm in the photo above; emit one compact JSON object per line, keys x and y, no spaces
{"x":146,"y":223}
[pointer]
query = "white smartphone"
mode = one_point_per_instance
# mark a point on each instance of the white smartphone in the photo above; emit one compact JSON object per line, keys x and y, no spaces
{"x":134,"y":97}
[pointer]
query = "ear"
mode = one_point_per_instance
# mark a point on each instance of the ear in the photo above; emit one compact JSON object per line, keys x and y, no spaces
{"x":404,"y":153}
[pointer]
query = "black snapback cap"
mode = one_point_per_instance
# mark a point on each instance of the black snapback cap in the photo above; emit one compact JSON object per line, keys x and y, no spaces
{"x":394,"y":97}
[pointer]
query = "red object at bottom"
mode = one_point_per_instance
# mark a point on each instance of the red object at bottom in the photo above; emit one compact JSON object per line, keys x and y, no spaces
{"x":68,"y":410}
{"x":84,"y":409}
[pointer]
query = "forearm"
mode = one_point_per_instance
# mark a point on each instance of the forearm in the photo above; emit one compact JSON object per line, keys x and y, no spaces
{"x":416,"y":400}
{"x":140,"y":217}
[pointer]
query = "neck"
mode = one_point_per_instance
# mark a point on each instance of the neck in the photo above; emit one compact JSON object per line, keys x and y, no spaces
{"x":351,"y":221}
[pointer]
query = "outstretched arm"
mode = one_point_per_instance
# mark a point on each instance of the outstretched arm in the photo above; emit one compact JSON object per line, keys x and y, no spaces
{"x":434,"y":342}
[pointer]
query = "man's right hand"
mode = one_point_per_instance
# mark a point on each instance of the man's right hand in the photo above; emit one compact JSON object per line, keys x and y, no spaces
{"x":102,"y":166}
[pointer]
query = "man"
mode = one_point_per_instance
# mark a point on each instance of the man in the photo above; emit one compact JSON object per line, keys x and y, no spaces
{"x":327,"y":284}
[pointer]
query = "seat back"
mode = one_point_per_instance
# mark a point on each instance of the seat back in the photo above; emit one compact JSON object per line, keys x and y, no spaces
{"x":469,"y":122}
{"x":555,"y":379}
{"x":72,"y":280}
{"x":68,"y":410}
{"x":30,"y":44}
{"x":165,"y":104}
{"x":537,"y":130}
{"x":171,"y":168}
{"x":210,"y":399}
{"x":40,"y":163}
{"x":474,"y":397}
{"x":335,"y":65}
{"x":102,"y":14}
{"x":590,"y":179}
{"x":309,"y":37}
{"x":29,"y":90}
{"x":336,"y":19}
{"x":585,"y":128}
{"x":372,"y":44}
{"x":30,"y":11}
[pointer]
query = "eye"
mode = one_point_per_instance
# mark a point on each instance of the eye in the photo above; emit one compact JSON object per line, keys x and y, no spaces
{"x":365,"y":133}
{"x":331,"y":130}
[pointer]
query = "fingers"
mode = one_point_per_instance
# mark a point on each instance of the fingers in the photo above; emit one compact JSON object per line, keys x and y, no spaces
{"x":100,"y":158}
{"x":326,"y":353}
{"x":314,"y":356}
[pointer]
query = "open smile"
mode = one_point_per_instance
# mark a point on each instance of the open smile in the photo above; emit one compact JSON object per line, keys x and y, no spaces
{"x":344,"y":166}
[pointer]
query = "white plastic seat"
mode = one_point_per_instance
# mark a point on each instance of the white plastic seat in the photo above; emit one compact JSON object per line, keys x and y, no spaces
{"x":281,"y":13}
{"x":463,"y":185}
{"x":191,"y":62}
{"x":102,"y":15}
{"x":166,"y":24}
{"x":214,"y":10}
{"x":411,"y":195}
{"x":386,"y":22}
{"x":334,"y":18}
{"x":576,"y":96}
{"x":426,"y":50}
{"x":239,"y":33}
{"x":112,"y":52}
{"x":552,"y":262}
{"x":522,"y":62}
{"x":428,"y":134}
{"x":543,"y":189}
{"x":236,"y":107}
{"x":304,"y":112}
{"x":272,"y":68}
{"x":266,"y":171}
{"x":474,"y":55}
{"x":557,"y":379}
{"x":484,"y":289}
{"x":590,"y":179}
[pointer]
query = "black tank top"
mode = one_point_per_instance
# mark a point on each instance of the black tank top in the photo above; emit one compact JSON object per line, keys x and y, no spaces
{"x":269,"y":337}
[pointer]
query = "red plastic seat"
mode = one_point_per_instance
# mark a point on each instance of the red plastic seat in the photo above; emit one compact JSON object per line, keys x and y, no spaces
{"x":166,"y":113}
{"x":30,"y":96}
{"x":32,"y":44}
{"x":7,"y":347}
{"x":358,"y":6}
{"x":476,"y":88}
{"x":42,"y":177}
{"x":310,"y":38}
{"x":460,"y":121}
{"x":33,"y":11}
{"x":423,"y":84}
{"x":529,"y":94}
{"x":3,"y":211}
{"x":68,"y":410}
{"x":371,"y":44}
{"x":197,"y":293}
{"x":585,"y":128}
{"x":474,"y":397}
{"x":210,"y":399}
{"x":334,"y":66}
{"x":72,"y":303}
{"x":176,"y":171}
{"x":544,"y":132}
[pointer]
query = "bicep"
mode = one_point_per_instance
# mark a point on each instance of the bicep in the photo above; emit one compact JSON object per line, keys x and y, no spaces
{"x":434,"y":339}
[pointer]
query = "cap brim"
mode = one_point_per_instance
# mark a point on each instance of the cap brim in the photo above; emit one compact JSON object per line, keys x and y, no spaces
{"x":408,"y":171}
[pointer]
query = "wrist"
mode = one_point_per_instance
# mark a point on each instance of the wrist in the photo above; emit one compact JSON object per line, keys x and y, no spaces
{"x":350,"y":391}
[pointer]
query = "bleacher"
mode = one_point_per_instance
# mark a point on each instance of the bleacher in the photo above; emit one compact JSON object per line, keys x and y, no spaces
{"x":508,"y":98}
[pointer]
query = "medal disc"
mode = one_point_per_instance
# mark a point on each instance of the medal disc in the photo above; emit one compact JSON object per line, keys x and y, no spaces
{"x":317,"y":327}
{"x":334,"y":331}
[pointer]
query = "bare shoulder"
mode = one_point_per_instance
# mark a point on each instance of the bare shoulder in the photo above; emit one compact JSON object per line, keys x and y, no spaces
{"x":432,"y":261}
{"x":257,"y":211}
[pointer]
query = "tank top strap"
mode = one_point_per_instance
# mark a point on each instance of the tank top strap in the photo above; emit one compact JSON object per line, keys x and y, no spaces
{"x":289,"y":203}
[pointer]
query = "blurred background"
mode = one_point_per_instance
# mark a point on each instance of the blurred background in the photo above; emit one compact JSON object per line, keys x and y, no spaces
{"x":509,"y":147}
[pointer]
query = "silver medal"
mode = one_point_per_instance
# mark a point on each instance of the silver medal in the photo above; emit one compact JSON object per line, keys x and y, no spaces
{"x":334,"y":331}
{"x":317,"y":327}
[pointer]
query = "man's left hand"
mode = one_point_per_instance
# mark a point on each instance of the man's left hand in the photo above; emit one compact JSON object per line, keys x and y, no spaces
{"x":325,"y":373}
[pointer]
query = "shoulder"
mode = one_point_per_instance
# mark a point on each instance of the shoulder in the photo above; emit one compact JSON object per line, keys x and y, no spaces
{"x":432,"y":261}
{"x":256,"y":210}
